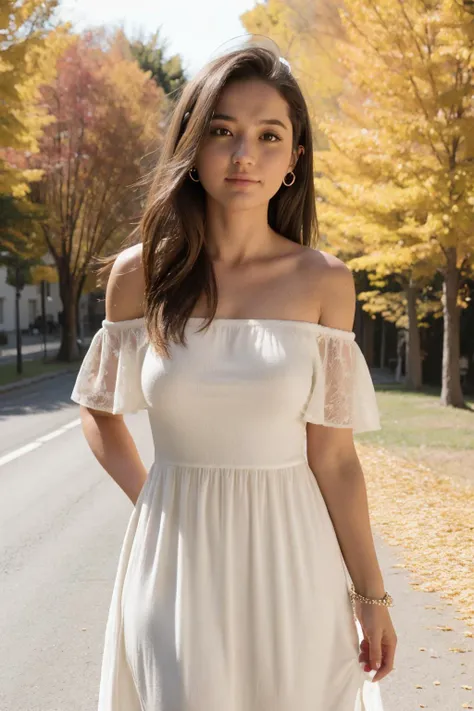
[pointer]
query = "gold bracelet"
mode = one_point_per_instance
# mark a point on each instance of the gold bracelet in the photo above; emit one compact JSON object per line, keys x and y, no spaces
{"x":386,"y":600}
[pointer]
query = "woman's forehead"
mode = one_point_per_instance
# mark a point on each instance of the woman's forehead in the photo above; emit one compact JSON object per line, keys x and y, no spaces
{"x":251,"y":97}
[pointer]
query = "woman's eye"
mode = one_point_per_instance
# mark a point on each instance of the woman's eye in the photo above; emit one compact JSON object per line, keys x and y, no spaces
{"x":214,"y":131}
{"x":274,"y":136}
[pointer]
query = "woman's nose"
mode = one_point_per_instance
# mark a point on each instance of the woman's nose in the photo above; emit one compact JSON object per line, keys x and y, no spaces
{"x":244,"y":151}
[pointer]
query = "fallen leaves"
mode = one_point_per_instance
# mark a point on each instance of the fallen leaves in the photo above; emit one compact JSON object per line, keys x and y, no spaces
{"x":430,"y":518}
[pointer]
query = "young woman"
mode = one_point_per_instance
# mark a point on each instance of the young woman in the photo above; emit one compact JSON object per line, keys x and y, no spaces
{"x":234,"y":332}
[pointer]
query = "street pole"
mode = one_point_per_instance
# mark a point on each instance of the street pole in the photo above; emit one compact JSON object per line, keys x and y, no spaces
{"x":43,"y":314}
{"x":19,"y":361}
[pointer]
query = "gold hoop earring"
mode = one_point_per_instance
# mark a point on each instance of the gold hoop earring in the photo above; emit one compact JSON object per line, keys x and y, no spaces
{"x":195,"y":180}
{"x":294,"y":178}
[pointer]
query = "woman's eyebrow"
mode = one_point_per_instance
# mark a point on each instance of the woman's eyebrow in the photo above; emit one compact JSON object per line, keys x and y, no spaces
{"x":226,"y":117}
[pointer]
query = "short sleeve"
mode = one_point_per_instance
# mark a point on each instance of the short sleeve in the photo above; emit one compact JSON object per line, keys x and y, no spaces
{"x":110,"y":375}
{"x":342,"y":392}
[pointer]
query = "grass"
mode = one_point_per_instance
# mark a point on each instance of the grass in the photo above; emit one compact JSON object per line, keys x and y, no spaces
{"x":416,"y":427}
{"x":31,"y":368}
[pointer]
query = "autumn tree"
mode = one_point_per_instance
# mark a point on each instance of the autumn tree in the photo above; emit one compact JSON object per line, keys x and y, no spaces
{"x":408,"y":144}
{"x":106,"y":114}
{"x":29,"y":38}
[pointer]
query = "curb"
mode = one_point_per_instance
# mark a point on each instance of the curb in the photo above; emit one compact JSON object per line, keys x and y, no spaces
{"x":35,"y":379}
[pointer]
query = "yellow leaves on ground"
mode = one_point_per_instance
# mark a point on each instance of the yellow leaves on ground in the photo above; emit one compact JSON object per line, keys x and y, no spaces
{"x":430,"y":518}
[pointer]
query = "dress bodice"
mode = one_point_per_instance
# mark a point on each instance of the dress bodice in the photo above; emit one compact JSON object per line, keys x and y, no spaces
{"x":239,"y":393}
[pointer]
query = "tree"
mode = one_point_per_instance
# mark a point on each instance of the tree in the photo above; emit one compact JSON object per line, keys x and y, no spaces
{"x":18,"y":219}
{"x":105,"y":114}
{"x":29,"y":39}
{"x":407,"y":306}
{"x":150,"y":55}
{"x":414,"y":65}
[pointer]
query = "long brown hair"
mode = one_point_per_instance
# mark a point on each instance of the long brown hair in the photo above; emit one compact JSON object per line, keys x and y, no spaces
{"x":177,"y":267}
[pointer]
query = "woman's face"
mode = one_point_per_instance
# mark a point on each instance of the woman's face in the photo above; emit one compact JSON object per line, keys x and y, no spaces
{"x":250,"y":133}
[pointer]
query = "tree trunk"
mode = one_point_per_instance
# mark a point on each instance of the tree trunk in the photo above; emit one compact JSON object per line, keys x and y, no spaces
{"x":69,"y":348}
{"x":383,"y":344}
{"x":401,"y":349}
{"x":80,"y":325}
{"x":451,"y":391}
{"x":413,"y":379}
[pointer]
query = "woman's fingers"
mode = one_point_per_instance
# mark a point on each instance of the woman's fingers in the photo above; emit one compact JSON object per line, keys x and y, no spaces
{"x":388,"y":656}
{"x":364,"y":654}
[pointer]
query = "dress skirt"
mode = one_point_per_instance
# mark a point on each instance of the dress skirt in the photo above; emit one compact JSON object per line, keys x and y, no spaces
{"x":232,"y":595}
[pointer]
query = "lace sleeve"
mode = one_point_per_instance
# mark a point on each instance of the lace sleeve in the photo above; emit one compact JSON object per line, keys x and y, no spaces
{"x":342,"y":392}
{"x":110,"y":375}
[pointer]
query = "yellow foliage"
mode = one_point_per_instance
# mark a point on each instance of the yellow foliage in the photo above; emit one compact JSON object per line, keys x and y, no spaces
{"x":109,"y":121}
{"x":43,"y":272}
{"x":28,"y":50}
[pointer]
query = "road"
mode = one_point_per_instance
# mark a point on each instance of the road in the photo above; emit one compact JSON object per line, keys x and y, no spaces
{"x":62,"y":521}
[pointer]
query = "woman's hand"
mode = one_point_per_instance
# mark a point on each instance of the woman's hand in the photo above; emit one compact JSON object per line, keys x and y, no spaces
{"x":379,"y":641}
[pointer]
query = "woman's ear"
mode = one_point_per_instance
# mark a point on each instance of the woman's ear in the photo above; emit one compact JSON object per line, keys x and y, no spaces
{"x":296,"y":154}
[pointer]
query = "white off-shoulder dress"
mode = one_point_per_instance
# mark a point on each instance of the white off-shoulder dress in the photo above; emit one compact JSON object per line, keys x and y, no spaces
{"x":231,"y":592}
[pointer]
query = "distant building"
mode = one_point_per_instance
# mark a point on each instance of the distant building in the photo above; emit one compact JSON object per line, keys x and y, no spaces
{"x":91,"y":306}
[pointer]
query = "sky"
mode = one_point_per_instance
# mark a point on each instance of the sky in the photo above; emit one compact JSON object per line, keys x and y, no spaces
{"x":195,"y":29}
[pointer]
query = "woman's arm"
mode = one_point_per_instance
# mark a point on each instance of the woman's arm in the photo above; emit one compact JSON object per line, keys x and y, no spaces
{"x":333,"y":459}
{"x":107,"y":435}
{"x":335,"y":464}
{"x":114,"y":448}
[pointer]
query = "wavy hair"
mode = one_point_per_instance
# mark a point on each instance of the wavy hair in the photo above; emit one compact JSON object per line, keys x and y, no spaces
{"x":177,"y":267}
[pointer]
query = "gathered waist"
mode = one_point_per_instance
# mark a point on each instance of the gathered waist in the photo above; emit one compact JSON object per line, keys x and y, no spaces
{"x":227,"y":467}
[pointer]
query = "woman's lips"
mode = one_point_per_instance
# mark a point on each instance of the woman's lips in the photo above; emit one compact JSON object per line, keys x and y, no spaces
{"x":245,"y":181}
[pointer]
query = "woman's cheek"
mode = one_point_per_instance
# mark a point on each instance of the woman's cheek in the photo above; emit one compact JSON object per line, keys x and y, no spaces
{"x":211,"y":160}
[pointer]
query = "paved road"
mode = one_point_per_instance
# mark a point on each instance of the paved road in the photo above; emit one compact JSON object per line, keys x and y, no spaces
{"x":62,"y":521}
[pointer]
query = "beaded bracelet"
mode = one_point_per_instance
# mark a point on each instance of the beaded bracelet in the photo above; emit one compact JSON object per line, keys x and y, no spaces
{"x":386,"y":600}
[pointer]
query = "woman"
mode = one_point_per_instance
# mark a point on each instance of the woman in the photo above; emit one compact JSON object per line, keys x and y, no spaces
{"x":234,"y":333}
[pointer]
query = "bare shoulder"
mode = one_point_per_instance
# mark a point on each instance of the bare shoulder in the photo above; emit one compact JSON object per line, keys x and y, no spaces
{"x":126,"y":286}
{"x":330,"y":284}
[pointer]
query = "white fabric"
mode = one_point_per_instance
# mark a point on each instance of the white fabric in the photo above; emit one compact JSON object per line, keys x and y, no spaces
{"x":109,"y":378}
{"x":342,"y":394}
{"x":231,"y":591}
